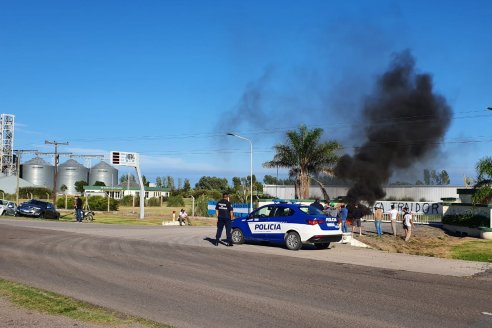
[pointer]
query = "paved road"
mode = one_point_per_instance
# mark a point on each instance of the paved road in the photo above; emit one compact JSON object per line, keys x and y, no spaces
{"x":174,"y":275}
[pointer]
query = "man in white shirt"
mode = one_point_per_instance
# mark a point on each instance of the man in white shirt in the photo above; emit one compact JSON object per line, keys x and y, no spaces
{"x":394,"y":215}
{"x":407,"y":223}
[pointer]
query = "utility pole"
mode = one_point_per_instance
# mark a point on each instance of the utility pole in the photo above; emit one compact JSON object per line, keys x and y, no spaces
{"x":19,"y":152}
{"x":57,"y":160}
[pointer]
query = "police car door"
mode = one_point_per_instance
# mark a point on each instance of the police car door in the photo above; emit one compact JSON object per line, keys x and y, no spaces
{"x":258,"y":221}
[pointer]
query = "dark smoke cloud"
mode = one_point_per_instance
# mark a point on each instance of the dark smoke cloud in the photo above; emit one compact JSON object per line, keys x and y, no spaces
{"x":403,"y":122}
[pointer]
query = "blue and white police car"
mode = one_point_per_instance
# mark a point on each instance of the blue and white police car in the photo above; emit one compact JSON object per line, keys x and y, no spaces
{"x":289,"y":224}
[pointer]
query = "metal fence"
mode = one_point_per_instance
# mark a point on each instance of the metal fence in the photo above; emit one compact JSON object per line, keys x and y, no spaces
{"x":417,"y":218}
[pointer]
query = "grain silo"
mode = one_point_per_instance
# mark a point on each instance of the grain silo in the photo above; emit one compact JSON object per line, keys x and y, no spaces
{"x":38,"y":172}
{"x":70,"y":172}
{"x":105,"y":173}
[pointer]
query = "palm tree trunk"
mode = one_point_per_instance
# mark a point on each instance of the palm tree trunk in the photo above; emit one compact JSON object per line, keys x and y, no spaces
{"x":304,"y":185}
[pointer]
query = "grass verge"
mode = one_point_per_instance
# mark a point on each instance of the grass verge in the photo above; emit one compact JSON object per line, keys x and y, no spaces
{"x":55,"y":304}
{"x":473,"y":251}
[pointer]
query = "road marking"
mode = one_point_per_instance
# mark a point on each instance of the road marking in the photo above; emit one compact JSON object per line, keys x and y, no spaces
{"x":486,"y":313}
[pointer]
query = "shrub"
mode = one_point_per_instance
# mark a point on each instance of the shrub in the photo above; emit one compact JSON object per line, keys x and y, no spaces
{"x":466,"y":220}
{"x":175,"y":201}
{"x":201,"y":205}
{"x":126,"y":201}
{"x":154,"y":202}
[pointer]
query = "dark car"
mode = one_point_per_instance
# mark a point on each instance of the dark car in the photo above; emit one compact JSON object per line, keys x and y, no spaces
{"x":38,"y":209}
{"x":8,"y":207}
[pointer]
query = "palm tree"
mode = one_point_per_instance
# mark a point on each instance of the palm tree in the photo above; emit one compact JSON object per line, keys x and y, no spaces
{"x":483,"y":190}
{"x":304,"y":155}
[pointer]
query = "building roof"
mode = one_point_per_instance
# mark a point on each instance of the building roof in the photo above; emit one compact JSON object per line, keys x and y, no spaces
{"x":9,"y":184}
{"x":121,"y":188}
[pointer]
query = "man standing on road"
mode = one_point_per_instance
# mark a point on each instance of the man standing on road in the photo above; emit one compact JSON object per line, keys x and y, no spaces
{"x":78,"y":209}
{"x":343,"y":217}
{"x":407,"y":223}
{"x":225,"y":215}
{"x":394,"y":215}
{"x":378,"y":218}
{"x":357,"y":218}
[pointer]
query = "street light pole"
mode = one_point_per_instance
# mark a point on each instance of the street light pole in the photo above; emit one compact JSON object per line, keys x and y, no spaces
{"x":250,"y":168}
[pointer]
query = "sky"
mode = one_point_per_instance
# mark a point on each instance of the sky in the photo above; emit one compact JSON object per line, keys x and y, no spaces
{"x":169,"y":79}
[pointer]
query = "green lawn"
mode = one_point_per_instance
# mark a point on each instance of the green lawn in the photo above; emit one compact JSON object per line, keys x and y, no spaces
{"x":475,"y":250}
{"x":55,"y":304}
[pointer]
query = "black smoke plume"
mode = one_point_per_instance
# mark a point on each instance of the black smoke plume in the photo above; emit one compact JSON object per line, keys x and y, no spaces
{"x":403,"y":122}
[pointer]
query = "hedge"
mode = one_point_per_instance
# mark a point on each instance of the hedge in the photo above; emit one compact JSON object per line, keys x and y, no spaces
{"x":466,"y":220}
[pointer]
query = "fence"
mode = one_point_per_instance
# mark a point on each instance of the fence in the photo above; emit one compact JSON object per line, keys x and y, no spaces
{"x":417,"y":218}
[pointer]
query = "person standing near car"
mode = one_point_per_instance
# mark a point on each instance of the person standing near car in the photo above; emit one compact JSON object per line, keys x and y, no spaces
{"x":78,"y":209}
{"x":225,"y":215}
{"x":357,"y":215}
{"x":394,"y":215}
{"x":343,"y":217}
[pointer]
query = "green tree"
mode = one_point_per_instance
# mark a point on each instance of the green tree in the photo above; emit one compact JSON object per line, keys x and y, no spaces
{"x":186,"y":185}
{"x":79,"y":185}
{"x":270,"y":180}
{"x":427,"y":177}
{"x":444,"y":177}
{"x":170,"y":183}
{"x":212,"y":183}
{"x":236,"y":184}
{"x":304,"y":155}
{"x":158,"y":182}
{"x":99,"y":183}
{"x":483,"y":190}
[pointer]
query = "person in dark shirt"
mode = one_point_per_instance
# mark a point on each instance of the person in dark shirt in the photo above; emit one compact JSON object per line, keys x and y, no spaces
{"x":317,"y":204}
{"x":225,"y":215}
{"x":78,"y":209}
{"x":357,"y":215}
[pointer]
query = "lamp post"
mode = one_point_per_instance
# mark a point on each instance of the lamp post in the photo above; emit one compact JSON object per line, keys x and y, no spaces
{"x":250,"y":168}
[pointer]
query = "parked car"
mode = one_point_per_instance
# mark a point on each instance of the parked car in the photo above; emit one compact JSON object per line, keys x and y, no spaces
{"x":290,"y":224}
{"x":38,"y":209}
{"x":8,"y":207}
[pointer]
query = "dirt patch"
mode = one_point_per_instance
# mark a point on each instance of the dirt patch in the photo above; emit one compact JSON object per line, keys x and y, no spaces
{"x":426,"y":240}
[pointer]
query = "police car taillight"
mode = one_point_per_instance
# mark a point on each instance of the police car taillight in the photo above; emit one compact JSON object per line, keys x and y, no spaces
{"x":314,"y":222}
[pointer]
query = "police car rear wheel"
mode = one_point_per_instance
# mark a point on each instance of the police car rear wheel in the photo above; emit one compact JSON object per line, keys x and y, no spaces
{"x":237,"y":236}
{"x":293,"y":241}
{"x":322,"y":245}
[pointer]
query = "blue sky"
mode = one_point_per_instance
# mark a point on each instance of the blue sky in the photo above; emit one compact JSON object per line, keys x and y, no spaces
{"x":169,"y":79}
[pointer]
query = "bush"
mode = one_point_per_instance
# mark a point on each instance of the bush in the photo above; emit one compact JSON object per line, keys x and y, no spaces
{"x":201,"y":206}
{"x":175,"y":201}
{"x":466,"y":220}
{"x":96,"y":203}
{"x":126,"y":201}
{"x":154,"y":202}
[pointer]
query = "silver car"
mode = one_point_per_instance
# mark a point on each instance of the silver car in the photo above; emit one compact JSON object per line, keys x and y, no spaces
{"x":8,"y":207}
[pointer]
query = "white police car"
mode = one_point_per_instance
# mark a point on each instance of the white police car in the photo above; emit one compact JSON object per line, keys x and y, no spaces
{"x":291,"y":224}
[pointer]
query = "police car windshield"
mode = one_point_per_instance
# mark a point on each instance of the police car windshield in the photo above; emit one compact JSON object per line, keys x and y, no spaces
{"x":311,"y":210}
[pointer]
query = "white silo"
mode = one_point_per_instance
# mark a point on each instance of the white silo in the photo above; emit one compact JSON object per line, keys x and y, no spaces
{"x":105,"y":173}
{"x":70,"y":172}
{"x":38,"y":172}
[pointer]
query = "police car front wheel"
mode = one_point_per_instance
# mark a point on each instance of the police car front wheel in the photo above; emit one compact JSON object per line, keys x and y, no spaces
{"x":293,"y":241}
{"x":237,"y":236}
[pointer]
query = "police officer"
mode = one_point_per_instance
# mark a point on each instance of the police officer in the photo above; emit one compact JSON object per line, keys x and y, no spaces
{"x":225,"y":214}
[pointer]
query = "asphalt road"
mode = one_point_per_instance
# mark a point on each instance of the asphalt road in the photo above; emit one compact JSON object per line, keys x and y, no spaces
{"x":174,"y":275}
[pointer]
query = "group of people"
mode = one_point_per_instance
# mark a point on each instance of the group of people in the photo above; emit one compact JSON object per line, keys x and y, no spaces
{"x":356,"y":214}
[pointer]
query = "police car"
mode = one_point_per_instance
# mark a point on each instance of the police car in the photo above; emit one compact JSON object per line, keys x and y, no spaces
{"x":289,"y":224}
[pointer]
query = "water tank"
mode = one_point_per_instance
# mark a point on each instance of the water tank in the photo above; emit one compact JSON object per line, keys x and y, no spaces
{"x":105,"y":173}
{"x":38,"y":172}
{"x":70,"y":172}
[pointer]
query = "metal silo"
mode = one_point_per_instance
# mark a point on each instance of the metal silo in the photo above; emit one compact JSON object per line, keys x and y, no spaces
{"x":105,"y":173}
{"x":38,"y":172}
{"x":70,"y":172}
